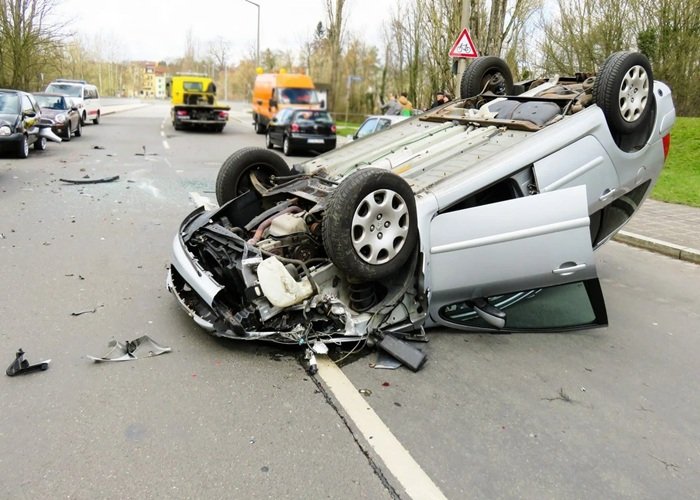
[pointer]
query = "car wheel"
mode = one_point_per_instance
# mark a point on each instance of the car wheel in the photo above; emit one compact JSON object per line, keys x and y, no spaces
{"x":624,"y":91}
{"x":96,"y":120}
{"x":23,"y":151}
{"x":83,"y":118}
{"x":268,"y":141}
{"x":40,"y":143}
{"x":369,"y":229}
{"x":79,"y":129}
{"x":260,"y":128}
{"x":69,"y":133}
{"x":488,"y":73}
{"x":234,"y":175}
{"x":287,"y":147}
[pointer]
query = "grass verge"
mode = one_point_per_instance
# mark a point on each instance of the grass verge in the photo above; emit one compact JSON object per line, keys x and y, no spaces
{"x":680,"y":178}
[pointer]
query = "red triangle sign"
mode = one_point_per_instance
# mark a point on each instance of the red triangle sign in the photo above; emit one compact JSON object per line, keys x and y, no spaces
{"x":463,"y":46}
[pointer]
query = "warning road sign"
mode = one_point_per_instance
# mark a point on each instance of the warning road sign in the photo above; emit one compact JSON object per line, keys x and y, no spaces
{"x":463,"y":46}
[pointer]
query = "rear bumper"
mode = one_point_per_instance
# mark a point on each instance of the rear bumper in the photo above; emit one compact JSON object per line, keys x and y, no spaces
{"x":304,"y":141}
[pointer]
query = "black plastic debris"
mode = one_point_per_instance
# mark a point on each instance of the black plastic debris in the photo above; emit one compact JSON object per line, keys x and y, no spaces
{"x":403,"y":351}
{"x":143,"y":346}
{"x":21,"y":366}
{"x":91,"y":181}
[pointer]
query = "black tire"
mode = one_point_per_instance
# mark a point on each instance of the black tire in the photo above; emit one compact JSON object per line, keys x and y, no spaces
{"x":260,"y":128}
{"x":479,"y":76}
{"x":40,"y":143}
{"x":353,"y":232}
{"x":287,"y":148}
{"x":268,"y":141}
{"x":234,"y":175}
{"x":624,"y":91}
{"x":23,"y":150}
{"x":69,"y":133}
{"x":96,"y":120}
{"x":79,"y":129}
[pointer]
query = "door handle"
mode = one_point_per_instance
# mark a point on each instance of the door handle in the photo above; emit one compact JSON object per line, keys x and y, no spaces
{"x":568,"y":268}
{"x":607,"y":194}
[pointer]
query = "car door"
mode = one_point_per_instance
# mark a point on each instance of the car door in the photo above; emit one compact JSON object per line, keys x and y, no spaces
{"x":584,"y":162}
{"x":486,"y":259}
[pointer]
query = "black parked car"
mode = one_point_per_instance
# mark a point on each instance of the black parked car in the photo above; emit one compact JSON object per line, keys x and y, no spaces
{"x":64,"y":113}
{"x":301,"y":130}
{"x":19,"y":123}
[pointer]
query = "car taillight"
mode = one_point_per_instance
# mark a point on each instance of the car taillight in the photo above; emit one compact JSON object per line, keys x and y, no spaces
{"x":182,"y":112}
{"x":333,"y":128}
{"x":667,"y":144}
{"x":223,"y":115}
{"x":295,"y":127}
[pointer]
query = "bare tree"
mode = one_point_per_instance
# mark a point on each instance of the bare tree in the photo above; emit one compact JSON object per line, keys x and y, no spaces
{"x":30,"y":43}
{"x":336,"y":28}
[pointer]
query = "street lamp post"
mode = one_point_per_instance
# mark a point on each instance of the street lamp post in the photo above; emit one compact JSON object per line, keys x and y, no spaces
{"x":257,"y":47}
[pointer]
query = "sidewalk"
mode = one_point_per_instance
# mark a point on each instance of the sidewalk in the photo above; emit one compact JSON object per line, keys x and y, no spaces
{"x":666,"y":228}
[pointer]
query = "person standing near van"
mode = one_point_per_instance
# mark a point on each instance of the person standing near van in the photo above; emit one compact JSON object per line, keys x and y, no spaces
{"x":406,"y":105}
{"x":392,"y":106}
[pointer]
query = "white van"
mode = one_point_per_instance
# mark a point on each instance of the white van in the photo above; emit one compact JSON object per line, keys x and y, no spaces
{"x":85,"y":96}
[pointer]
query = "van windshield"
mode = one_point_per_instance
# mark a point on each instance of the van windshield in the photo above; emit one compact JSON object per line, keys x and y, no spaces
{"x":65,"y":89}
{"x":298,"y":96}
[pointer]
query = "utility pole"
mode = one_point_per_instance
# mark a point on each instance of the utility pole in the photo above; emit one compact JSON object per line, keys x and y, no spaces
{"x":462,"y":64}
{"x":257,"y":46}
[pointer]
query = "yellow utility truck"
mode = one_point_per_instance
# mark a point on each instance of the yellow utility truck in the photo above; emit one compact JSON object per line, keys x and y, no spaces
{"x":194,"y":102}
{"x":275,"y":91}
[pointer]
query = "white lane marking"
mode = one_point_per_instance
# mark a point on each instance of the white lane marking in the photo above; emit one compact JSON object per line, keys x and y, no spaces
{"x":397,"y":458}
{"x":202,"y":201}
{"x":162,"y":132}
{"x":166,"y":145}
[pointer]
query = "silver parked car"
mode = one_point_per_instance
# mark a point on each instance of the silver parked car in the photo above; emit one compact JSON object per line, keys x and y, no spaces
{"x":481,"y":215}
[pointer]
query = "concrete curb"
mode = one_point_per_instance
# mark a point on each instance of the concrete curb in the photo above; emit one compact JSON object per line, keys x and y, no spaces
{"x":659,"y":246}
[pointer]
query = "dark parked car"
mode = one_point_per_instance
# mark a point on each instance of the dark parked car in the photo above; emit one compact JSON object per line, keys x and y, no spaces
{"x":301,"y":130}
{"x":19,"y":123}
{"x":64,"y":113}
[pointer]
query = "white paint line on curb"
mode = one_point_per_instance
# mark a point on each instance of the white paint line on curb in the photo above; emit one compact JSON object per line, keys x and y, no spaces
{"x":396,"y":458}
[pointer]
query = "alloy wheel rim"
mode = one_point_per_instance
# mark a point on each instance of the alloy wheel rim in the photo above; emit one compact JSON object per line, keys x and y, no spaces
{"x":634,"y":93}
{"x":380,"y":226}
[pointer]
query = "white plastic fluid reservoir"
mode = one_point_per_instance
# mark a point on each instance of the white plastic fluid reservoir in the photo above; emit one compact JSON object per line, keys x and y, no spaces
{"x":279,"y":286}
{"x":285,"y":224}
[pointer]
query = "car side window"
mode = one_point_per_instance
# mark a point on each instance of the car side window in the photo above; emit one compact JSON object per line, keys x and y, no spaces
{"x":366,"y":128}
{"x":383,"y":123}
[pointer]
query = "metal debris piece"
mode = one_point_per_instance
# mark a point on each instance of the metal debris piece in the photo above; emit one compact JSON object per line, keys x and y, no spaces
{"x":20,"y":365}
{"x":91,"y":181}
{"x":365,"y":392}
{"x":143,"y":346}
{"x":385,"y":361}
{"x":86,"y":311}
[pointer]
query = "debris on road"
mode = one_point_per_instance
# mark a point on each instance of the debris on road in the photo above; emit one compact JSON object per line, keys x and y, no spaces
{"x":131,"y":349}
{"x":20,"y":365}
{"x":90,"y":181}
{"x":86,"y":311}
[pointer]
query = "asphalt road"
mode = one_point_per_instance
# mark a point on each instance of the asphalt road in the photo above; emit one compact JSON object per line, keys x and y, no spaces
{"x":607,"y":413}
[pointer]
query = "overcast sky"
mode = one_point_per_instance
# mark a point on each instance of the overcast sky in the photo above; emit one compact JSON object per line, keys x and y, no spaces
{"x":156,"y":29}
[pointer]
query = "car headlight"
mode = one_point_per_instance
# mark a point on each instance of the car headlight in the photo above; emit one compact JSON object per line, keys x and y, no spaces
{"x":60,"y":118}
{"x":5,"y":130}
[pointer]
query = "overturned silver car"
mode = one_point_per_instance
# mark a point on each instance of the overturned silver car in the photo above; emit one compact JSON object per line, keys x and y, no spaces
{"x":480,"y":215}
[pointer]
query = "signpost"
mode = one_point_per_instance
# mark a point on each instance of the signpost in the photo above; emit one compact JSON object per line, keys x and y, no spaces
{"x":464,"y":46}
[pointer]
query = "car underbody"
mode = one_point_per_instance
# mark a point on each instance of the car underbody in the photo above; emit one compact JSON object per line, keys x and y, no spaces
{"x":401,"y":230}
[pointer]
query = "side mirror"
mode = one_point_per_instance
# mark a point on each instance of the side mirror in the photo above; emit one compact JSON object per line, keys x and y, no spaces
{"x":323,"y":104}
{"x":29,"y":114}
{"x":273,"y":103}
